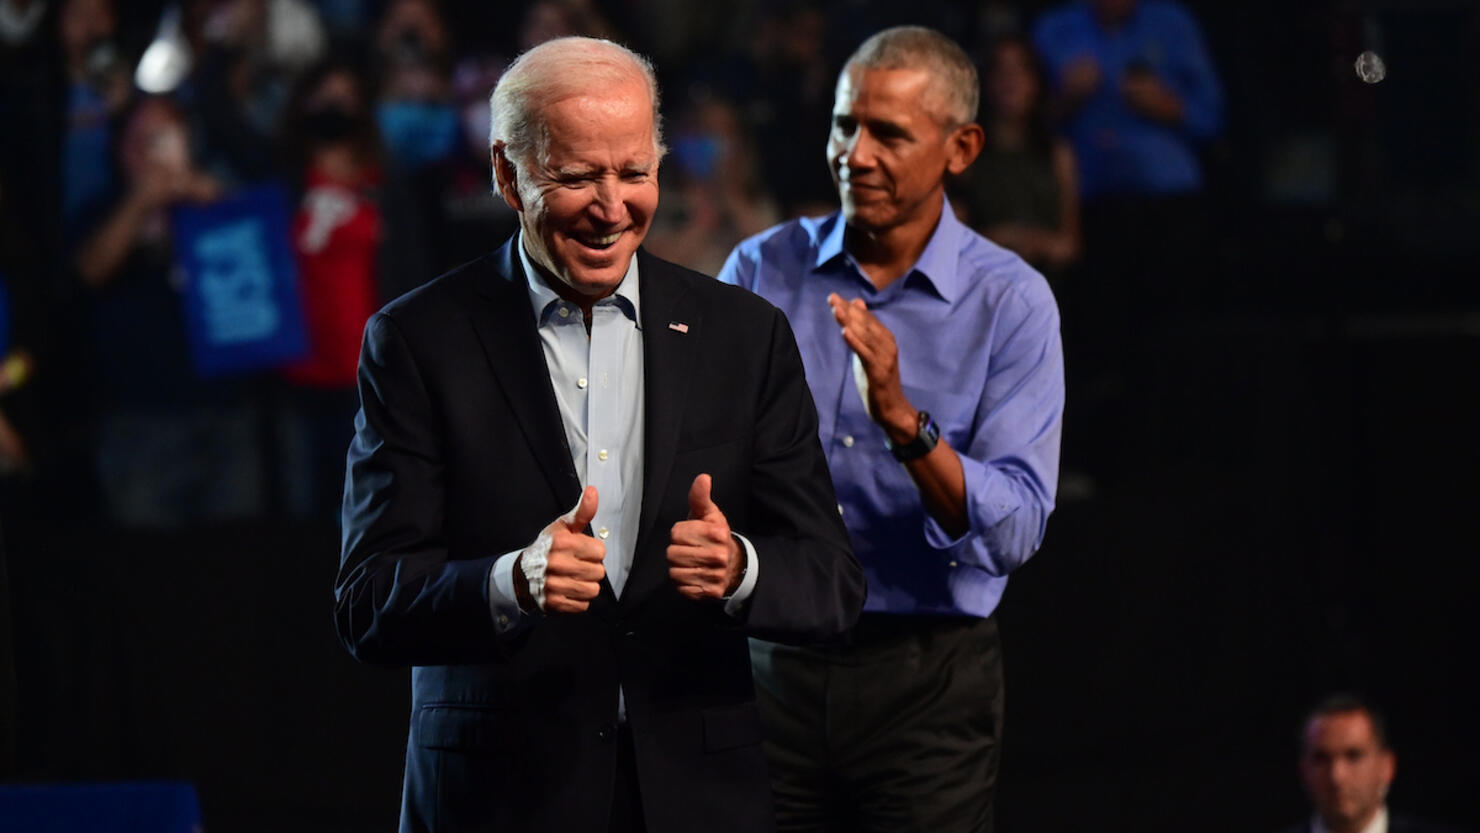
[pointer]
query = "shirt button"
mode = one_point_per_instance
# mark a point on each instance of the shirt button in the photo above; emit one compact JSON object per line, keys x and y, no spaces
{"x":602,"y":455}
{"x":848,"y":441}
{"x":581,"y":383}
{"x":603,"y":532}
{"x":564,"y":312}
{"x":953,"y":564}
{"x":606,"y":733}
{"x":503,"y":621}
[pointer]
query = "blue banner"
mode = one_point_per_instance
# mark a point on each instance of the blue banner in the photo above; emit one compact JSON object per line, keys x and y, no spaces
{"x":243,"y":312}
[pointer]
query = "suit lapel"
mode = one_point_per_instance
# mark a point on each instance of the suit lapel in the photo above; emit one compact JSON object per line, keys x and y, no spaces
{"x":671,"y":327}
{"x":506,"y":328}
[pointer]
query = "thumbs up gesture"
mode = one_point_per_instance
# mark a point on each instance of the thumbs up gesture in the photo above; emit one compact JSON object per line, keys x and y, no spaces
{"x":704,"y":559}
{"x":561,"y":571}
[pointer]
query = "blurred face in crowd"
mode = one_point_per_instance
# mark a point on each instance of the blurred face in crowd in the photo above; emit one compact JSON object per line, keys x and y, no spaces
{"x":155,"y":138}
{"x":412,"y":30}
{"x":1345,"y":768}
{"x":1011,"y":85}
{"x":588,"y":203}
{"x":340,"y":90}
{"x":413,"y":41}
{"x":890,"y":147}
{"x":84,"y":23}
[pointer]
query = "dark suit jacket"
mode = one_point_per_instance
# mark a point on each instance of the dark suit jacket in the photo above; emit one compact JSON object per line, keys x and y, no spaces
{"x":459,"y":455}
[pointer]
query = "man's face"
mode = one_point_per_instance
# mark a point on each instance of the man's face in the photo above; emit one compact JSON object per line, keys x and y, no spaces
{"x":1345,"y":770}
{"x":586,"y":207}
{"x":889,"y":152}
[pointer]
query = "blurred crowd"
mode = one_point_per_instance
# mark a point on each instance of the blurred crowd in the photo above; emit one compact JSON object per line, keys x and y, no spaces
{"x":202,"y":202}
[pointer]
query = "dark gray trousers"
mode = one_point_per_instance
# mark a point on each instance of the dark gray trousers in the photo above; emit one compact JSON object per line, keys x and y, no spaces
{"x":898,"y":729}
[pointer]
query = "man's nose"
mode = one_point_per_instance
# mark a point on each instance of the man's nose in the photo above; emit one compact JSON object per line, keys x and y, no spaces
{"x":859,"y":150}
{"x":608,"y":205}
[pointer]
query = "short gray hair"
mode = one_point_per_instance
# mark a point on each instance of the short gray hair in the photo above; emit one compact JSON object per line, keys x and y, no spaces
{"x":953,"y":75}
{"x":553,"y":70}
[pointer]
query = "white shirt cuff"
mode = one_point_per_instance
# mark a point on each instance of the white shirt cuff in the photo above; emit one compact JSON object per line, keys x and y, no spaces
{"x":502,"y":600}
{"x":737,"y":600}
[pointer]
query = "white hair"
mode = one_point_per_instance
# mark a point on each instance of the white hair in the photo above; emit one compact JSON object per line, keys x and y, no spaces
{"x":554,"y":70}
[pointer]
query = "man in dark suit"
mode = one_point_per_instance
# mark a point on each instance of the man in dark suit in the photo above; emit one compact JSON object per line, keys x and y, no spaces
{"x":1347,"y":766}
{"x":581,"y":476}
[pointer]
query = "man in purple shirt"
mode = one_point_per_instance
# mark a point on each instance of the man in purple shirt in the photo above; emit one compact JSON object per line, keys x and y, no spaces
{"x":939,"y":405}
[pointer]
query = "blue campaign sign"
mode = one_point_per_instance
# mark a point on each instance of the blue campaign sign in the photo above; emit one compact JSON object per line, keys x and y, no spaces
{"x":242,"y":308}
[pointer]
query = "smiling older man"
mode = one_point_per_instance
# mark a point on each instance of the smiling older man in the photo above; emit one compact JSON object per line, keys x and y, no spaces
{"x":580,"y":477}
{"x":940,"y":403}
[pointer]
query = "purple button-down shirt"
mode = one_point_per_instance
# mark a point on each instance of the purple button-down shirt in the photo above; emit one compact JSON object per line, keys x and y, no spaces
{"x":978,"y":336}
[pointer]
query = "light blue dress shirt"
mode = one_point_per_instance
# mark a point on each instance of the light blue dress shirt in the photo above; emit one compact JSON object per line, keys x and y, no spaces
{"x":598,"y":381}
{"x":978,"y":336}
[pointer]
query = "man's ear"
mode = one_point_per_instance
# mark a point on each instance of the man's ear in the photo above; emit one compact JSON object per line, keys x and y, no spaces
{"x":505,"y":176}
{"x":963,"y":145}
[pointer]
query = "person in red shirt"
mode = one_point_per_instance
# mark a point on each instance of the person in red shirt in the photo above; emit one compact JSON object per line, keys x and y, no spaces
{"x":333,"y":147}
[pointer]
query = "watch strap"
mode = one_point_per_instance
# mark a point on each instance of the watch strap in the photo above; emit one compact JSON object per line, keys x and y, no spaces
{"x":926,"y":437}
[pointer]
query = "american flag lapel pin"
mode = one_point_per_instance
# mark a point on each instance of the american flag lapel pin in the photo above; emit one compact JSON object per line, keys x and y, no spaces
{"x":678,"y":326}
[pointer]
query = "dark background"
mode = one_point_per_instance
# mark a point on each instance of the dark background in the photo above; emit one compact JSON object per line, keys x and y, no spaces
{"x":1298,"y":515}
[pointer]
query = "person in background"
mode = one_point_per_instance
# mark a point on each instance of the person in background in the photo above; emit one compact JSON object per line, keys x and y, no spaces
{"x":780,"y":86}
{"x":1133,"y":86}
{"x":1022,"y":192}
{"x":171,"y":449}
{"x":334,"y":151}
{"x":420,"y":132}
{"x":1347,"y":766}
{"x":460,"y":212}
{"x":940,"y":406}
{"x":245,"y":57}
{"x":98,"y":88}
{"x":417,"y":120}
{"x":716,"y":197}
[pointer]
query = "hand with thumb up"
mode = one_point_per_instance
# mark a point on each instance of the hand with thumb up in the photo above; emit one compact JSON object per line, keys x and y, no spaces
{"x":704,"y":559}
{"x":561,"y":571}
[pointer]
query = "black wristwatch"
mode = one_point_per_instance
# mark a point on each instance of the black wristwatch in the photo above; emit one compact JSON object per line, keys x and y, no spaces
{"x":926,"y":436}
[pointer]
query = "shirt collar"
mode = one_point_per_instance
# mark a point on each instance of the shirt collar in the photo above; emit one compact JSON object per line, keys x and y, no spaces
{"x":937,"y":264}
{"x":544,"y":301}
{"x":1379,"y":823}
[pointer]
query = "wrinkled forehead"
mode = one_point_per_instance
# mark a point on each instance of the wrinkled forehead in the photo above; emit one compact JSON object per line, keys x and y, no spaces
{"x":607,"y":116}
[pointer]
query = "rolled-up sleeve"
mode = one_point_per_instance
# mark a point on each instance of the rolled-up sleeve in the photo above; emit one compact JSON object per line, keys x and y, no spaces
{"x":1011,"y":465}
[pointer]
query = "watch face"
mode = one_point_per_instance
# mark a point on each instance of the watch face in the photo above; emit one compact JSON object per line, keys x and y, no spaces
{"x":929,"y":431}
{"x":926,"y":437}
